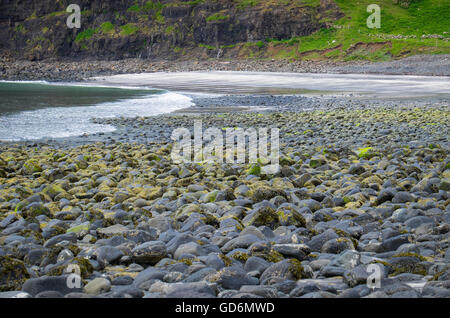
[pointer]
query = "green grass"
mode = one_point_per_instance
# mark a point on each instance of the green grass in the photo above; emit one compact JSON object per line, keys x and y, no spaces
{"x":153,"y":5}
{"x":217,"y":17}
{"x":260,"y":44}
{"x":129,"y":29}
{"x":229,"y":46}
{"x":244,"y":4}
{"x":209,"y":47}
{"x":134,"y":8}
{"x":85,"y":35}
{"x":170,"y":30}
{"x":107,"y":27}
{"x":146,"y":7}
{"x":193,"y":3}
{"x":422,"y":17}
{"x":337,"y":41}
{"x":159,"y":18}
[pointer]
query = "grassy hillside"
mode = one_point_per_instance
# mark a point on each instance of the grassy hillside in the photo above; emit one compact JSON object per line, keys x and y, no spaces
{"x":407,"y":27}
{"x":228,"y":29}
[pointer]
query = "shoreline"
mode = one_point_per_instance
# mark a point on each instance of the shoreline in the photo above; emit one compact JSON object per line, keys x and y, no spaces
{"x":427,"y":65}
{"x":128,"y":129}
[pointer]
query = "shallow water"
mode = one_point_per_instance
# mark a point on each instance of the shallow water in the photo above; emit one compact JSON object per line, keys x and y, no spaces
{"x":35,"y":110}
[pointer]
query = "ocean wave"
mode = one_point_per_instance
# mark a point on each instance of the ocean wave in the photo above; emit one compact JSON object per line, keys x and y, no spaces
{"x":59,"y":122}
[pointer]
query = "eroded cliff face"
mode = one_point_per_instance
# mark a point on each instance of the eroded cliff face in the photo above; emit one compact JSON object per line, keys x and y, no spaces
{"x":36,"y":30}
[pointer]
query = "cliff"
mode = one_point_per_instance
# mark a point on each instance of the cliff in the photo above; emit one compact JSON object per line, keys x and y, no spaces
{"x":36,"y":30}
{"x":229,"y":29}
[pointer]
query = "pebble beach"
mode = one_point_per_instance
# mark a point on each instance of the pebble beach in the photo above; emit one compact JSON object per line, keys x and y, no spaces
{"x":361,"y":183}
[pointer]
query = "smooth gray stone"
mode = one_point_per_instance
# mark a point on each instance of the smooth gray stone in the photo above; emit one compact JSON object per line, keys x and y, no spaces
{"x":257,"y":264}
{"x":59,"y":284}
{"x":232,"y":278}
{"x":319,"y":240}
{"x":108,"y":254}
{"x":417,"y":221}
{"x":395,"y":242}
{"x":200,"y":275}
{"x":71,"y":237}
{"x":149,"y":274}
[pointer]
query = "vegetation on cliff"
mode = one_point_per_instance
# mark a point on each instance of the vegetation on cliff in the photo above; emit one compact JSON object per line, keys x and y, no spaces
{"x":175,"y":29}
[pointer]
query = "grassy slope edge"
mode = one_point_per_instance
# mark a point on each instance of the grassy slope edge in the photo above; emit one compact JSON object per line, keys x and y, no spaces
{"x":420,"y":28}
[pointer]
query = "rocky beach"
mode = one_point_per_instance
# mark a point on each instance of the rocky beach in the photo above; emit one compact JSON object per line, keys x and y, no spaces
{"x":363,"y":184}
{"x":119,"y":179}
{"x":78,"y":70}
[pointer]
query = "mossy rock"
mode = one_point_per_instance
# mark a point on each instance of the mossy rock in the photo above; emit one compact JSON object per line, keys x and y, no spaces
{"x":186,"y":261}
{"x":184,"y":182}
{"x":56,"y":230}
{"x":53,"y":190}
{"x":24,"y":192}
{"x":240,"y":256}
{"x":86,"y":268}
{"x":151,"y":157}
{"x":280,"y":183}
{"x":35,"y":209}
{"x":314,"y":163}
{"x":296,"y":268}
{"x":272,"y":256}
{"x":286,"y":161}
{"x":151,"y":193}
{"x":254,"y":169}
{"x":52,"y":255}
{"x":445,"y":184}
{"x":78,"y":228}
{"x":266,"y":193}
{"x":366,"y":153}
{"x":288,"y":216}
{"x":263,"y":216}
{"x":407,"y":264}
{"x":372,"y":179}
{"x":226,"y":260}
{"x":288,"y":269}
{"x":182,"y":214}
{"x":98,"y":197}
{"x":81,"y":164}
{"x":31,"y":166}
{"x":210,"y":196}
{"x":20,"y":206}
{"x":185,"y":173}
{"x":30,"y":233}
{"x":438,"y":275}
{"x":210,"y":219}
{"x":13,"y":274}
{"x":411,"y":254}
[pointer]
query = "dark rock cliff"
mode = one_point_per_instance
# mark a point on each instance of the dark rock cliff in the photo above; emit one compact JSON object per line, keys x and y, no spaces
{"x":37,"y":30}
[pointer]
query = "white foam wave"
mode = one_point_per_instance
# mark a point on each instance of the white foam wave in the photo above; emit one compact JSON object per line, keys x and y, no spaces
{"x":58,"y":122}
